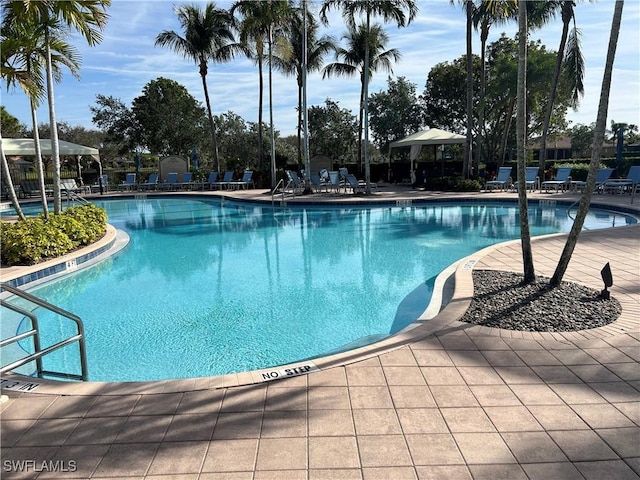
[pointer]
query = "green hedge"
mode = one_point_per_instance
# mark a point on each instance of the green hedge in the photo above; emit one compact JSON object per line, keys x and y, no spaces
{"x":454,"y":184}
{"x":36,"y":239}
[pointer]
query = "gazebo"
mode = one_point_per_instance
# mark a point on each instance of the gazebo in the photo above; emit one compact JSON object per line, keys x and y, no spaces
{"x":431,"y":136}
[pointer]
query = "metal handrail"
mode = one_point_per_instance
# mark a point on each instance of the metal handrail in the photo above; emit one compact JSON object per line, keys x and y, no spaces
{"x":74,"y":197}
{"x":38,"y":351}
{"x":273,"y":192}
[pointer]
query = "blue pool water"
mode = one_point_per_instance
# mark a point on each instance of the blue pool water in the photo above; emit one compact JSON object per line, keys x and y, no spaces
{"x":209,"y":287}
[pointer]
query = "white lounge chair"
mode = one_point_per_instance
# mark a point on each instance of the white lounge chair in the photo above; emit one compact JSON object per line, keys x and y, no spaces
{"x":562,"y":181}
{"x":502,"y":181}
{"x":623,"y":185}
{"x":601,"y":178}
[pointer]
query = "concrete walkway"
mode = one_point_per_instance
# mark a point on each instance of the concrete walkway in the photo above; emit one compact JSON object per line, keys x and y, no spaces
{"x":446,"y":400}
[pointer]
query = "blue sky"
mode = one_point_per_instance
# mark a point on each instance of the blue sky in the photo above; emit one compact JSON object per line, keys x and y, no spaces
{"x":127,"y":59}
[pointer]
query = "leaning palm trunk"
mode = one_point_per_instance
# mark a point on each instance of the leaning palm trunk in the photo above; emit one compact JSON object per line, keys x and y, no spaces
{"x":468,"y":157}
{"x":55,"y":145}
{"x":598,"y":138}
{"x":525,"y":235}
{"x":39,"y":167}
{"x":6,"y":174}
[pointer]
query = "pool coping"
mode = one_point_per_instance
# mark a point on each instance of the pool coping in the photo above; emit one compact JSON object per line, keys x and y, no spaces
{"x":426,"y":325}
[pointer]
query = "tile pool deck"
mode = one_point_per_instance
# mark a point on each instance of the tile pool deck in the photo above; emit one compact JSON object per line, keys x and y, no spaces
{"x":445,"y":400}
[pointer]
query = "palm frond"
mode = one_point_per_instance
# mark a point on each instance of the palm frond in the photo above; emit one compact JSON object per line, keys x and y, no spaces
{"x":573,"y":68}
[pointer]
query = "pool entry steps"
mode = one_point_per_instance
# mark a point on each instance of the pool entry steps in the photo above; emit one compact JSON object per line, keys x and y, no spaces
{"x":10,"y":342}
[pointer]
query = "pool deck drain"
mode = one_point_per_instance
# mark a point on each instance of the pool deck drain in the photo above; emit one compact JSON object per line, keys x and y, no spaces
{"x":442,"y":400}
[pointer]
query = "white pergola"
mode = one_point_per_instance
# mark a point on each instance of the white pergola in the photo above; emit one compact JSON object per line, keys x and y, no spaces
{"x":25,"y":147}
{"x":431,"y":136}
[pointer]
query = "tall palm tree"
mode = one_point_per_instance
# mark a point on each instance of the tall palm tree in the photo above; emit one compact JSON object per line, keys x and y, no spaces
{"x":569,"y":56}
{"x":598,"y":138}
{"x":365,"y":50}
{"x":521,"y":140}
{"x":56,"y":19}
{"x":208,"y":35}
{"x":23,"y":55}
{"x":488,"y":13}
{"x":402,"y":12}
{"x":259,"y":22}
{"x":292,"y":62}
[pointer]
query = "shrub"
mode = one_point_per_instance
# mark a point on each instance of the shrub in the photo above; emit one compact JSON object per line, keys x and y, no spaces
{"x":35,"y":239}
{"x":32,"y":240}
{"x":454,"y":184}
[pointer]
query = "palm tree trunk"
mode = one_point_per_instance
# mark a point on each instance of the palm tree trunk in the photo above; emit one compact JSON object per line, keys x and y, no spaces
{"x":6,"y":174}
{"x":598,"y":138}
{"x":505,"y":133}
{"x":260,"y":132}
{"x":367,"y":165}
{"x":521,"y":139}
{"x":212,"y":124}
{"x":552,"y":98}
{"x":485,"y":33}
{"x":55,"y":145}
{"x":468,"y":157}
{"x":299,"y":122}
{"x":39,"y":167}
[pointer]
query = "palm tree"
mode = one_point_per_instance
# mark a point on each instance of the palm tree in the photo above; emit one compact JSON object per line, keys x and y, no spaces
{"x":362,"y":41}
{"x":489,"y":12}
{"x":292,"y":62}
{"x":569,"y":56}
{"x":598,"y":138}
{"x":521,"y":140}
{"x":208,"y":35}
{"x":260,"y":20}
{"x":400,"y":11}
{"x":22,"y":55}
{"x":55,"y":19}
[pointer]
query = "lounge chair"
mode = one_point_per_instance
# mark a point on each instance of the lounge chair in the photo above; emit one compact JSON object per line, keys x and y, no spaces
{"x":334,"y":180}
{"x":69,"y":185}
{"x":601,"y":178}
{"x":353,"y":183}
{"x":502,"y":181}
{"x":244,"y":182}
{"x":186,"y":182}
{"x":104,"y":179}
{"x":171,"y":183}
{"x":562,"y":181}
{"x":226,"y":180}
{"x":211,"y":179}
{"x":318,"y":183}
{"x":31,"y":188}
{"x":151,"y":183}
{"x":530,"y":179}
{"x":293,"y":182}
{"x":623,"y":185}
{"x":129,"y":183}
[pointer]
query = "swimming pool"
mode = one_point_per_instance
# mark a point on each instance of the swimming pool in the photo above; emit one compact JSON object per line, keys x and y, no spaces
{"x":208,"y":286}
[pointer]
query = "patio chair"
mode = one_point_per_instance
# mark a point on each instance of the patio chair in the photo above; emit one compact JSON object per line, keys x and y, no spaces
{"x":293,"y":182}
{"x":129,"y":183}
{"x":623,"y":185}
{"x":29,"y":188}
{"x":226,"y":180}
{"x":334,"y":180}
{"x":601,"y":178}
{"x":69,"y":185}
{"x":318,"y":183}
{"x":244,"y":182}
{"x":562,"y":181}
{"x":186,"y":182}
{"x":353,"y":183}
{"x":171,"y":183}
{"x":101,"y":182}
{"x":530,"y":179}
{"x":502,"y":181}
{"x":151,"y":183}
{"x":211,"y":179}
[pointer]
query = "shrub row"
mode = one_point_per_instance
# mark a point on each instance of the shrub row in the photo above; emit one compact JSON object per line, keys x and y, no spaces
{"x":454,"y":184}
{"x":36,"y":239}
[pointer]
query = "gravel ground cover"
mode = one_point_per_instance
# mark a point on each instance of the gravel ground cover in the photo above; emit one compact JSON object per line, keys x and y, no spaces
{"x":501,"y":300}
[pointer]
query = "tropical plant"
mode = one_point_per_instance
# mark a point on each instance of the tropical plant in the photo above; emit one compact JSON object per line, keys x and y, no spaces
{"x":402,"y":12}
{"x":23,"y":56}
{"x":598,"y":138}
{"x":352,"y":61}
{"x":208,"y":35}
{"x":53,"y":19}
